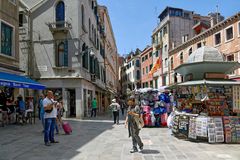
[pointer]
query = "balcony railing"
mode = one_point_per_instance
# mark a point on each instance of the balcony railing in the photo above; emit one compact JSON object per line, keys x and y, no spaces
{"x":59,"y":26}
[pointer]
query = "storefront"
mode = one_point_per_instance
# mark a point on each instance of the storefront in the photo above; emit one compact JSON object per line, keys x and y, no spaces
{"x":207,"y":101}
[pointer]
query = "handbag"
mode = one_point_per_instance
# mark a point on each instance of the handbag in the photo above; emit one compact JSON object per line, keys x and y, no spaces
{"x":139,"y":121}
{"x":49,"y":110}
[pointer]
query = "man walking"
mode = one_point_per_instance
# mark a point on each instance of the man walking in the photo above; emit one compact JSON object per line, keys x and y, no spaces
{"x":115,"y":107}
{"x":50,"y":118}
{"x":94,"y":107}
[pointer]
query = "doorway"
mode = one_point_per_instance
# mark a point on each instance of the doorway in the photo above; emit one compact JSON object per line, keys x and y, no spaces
{"x":72,"y":102}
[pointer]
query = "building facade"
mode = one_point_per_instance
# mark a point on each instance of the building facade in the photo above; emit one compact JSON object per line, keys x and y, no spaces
{"x":146,"y":59}
{"x":64,"y":45}
{"x":175,"y":28}
{"x":225,"y":36}
{"x":108,"y":49}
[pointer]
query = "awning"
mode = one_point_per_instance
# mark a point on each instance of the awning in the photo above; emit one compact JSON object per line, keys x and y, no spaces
{"x":209,"y":82}
{"x":16,"y":81}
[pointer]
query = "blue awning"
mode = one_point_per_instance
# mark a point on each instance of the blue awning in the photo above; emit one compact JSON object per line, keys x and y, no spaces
{"x":16,"y":81}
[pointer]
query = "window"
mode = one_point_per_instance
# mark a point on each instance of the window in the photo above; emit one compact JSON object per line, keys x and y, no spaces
{"x":150,"y":54}
{"x":92,"y":33}
{"x":89,"y":28}
{"x":92,"y":69}
{"x":146,"y":69}
{"x":143,"y":85}
{"x":20,"y":19}
{"x":186,"y":15}
{"x":199,"y":45}
{"x":165,"y":48}
{"x":156,"y":54}
{"x":83,"y":17}
{"x":85,"y":56}
{"x":164,"y":30}
{"x":229,"y":33}
{"x":142,"y":59}
{"x":230,"y":57}
{"x":62,"y":54}
{"x":217,"y":38}
{"x":7,"y":39}
{"x":146,"y":84}
{"x":181,"y":57}
{"x":132,"y":63}
{"x":60,"y":14}
{"x":150,"y":67}
{"x":190,"y":51}
{"x":12,"y":1}
{"x":171,"y":62}
{"x":143,"y":71}
{"x":156,"y":83}
{"x":238,"y":28}
{"x":146,"y":57}
{"x":137,"y":63}
{"x":151,"y":84}
{"x":138,"y":75}
{"x":166,"y":63}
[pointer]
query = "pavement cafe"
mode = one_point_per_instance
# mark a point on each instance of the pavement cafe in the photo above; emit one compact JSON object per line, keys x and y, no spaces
{"x":13,"y":85}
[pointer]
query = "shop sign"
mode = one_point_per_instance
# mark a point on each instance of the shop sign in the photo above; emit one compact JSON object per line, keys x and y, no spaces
{"x":215,"y":76}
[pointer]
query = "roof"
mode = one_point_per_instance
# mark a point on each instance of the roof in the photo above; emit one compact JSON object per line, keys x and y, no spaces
{"x":205,"y":54}
{"x":31,"y":4}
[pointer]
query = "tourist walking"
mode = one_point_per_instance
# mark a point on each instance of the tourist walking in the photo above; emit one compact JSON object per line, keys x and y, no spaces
{"x":132,"y":121}
{"x":115,"y":107}
{"x":50,"y":118}
{"x":94,"y":107}
{"x":40,"y":105}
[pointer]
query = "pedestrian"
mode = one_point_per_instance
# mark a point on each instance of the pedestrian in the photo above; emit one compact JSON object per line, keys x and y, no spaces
{"x":50,"y":118}
{"x":94,"y":107}
{"x":21,"y":108}
{"x":133,"y":114}
{"x":115,"y":107}
{"x":40,"y":105}
{"x":122,"y":106}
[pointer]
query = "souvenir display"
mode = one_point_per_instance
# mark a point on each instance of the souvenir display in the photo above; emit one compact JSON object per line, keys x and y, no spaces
{"x":192,"y":134}
{"x":232,"y":129}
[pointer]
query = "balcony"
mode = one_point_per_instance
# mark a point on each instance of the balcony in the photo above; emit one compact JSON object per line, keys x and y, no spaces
{"x":60,"y":26}
{"x":158,"y":45}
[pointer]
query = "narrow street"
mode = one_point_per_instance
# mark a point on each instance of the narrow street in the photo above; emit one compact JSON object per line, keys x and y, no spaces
{"x":99,"y":139}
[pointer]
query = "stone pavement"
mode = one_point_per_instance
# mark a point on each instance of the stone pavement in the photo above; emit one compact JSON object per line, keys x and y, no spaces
{"x":99,"y":139}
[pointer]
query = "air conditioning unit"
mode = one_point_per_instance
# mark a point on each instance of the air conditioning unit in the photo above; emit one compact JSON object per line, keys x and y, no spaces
{"x":93,"y":77}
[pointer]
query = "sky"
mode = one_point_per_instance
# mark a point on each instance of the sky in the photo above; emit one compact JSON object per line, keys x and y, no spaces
{"x":134,"y":20}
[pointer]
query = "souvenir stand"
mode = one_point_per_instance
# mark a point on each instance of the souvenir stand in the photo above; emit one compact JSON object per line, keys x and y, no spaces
{"x":155,"y":106}
{"x":208,"y":100}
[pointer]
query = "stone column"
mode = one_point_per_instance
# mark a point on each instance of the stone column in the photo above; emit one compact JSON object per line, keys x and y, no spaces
{"x":79,"y":105}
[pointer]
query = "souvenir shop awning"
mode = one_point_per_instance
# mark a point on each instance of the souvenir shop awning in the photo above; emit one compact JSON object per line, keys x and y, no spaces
{"x":209,"y":82}
{"x":16,"y":81}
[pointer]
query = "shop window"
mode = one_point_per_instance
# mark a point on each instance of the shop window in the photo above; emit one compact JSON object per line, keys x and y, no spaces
{"x":190,"y":51}
{"x":199,"y":45}
{"x":229,"y":33}
{"x":62,"y":54}
{"x":60,"y":14}
{"x":217,"y":38}
{"x":181,"y":57}
{"x":7,"y":39}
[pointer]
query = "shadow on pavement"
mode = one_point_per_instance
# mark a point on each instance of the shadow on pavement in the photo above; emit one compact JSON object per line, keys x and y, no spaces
{"x":26,"y":142}
{"x":150,"y":151}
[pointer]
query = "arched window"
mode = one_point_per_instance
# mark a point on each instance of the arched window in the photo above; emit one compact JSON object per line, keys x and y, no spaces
{"x":60,"y":14}
{"x":85,"y":56}
{"x":181,"y":57}
{"x":83,"y":16}
{"x":190,"y":51}
{"x":62,"y":54}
